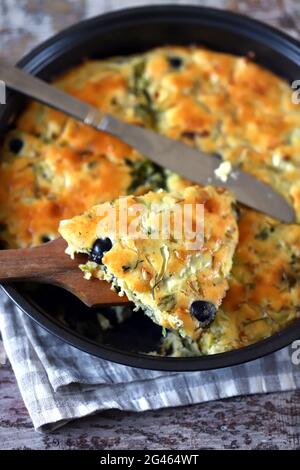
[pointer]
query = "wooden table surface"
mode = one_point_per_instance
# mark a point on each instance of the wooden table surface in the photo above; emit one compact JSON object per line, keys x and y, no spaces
{"x":253,"y":422}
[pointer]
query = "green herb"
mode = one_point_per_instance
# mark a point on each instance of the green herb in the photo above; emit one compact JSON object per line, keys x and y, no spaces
{"x":263,"y":234}
{"x":217,"y":130}
{"x":251,"y":322}
{"x":137,"y":82}
{"x":131,"y":267}
{"x":289,"y":279}
{"x":85,"y":153}
{"x":145,"y":173}
{"x":146,"y":113}
{"x":167,"y":302}
{"x":164,"y":251}
{"x":251,"y":285}
{"x":126,"y":267}
{"x":92,"y":164}
{"x":139,"y":85}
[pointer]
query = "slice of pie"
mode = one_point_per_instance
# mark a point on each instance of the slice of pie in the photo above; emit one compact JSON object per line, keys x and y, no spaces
{"x":170,"y":253}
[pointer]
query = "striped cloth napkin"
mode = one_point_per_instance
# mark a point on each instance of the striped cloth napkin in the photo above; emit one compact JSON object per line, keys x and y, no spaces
{"x":60,"y":383}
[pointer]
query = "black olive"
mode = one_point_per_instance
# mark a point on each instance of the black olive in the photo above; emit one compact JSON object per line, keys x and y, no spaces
{"x":15,"y":145}
{"x":205,"y":312}
{"x":175,"y":62}
{"x":100,"y":246}
{"x":45,"y":239}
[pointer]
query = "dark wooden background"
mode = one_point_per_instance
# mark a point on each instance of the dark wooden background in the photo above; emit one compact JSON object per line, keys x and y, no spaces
{"x":253,"y":422}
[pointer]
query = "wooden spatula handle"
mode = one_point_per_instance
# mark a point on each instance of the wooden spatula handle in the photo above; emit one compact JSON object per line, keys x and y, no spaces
{"x":49,"y":264}
{"x":41,"y":263}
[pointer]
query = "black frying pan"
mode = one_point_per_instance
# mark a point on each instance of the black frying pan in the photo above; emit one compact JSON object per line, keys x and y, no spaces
{"x":126,"y":32}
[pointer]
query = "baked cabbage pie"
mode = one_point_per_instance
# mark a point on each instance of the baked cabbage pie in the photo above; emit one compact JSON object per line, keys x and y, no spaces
{"x":174,"y":264}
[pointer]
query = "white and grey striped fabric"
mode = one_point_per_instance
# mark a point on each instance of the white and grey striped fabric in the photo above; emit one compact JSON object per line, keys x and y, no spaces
{"x":59,"y":383}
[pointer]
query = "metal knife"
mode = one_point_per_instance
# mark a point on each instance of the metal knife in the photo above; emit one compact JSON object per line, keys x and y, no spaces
{"x":188,"y":162}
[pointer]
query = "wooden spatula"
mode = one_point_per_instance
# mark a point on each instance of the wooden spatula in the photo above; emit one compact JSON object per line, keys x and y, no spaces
{"x":49,"y":264}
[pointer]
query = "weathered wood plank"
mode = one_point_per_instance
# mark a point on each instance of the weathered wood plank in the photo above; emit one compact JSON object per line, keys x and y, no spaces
{"x":255,"y":422}
{"x":23,"y":25}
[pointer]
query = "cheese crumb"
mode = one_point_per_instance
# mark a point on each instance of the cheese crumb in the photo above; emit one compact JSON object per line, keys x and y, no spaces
{"x":223,"y":171}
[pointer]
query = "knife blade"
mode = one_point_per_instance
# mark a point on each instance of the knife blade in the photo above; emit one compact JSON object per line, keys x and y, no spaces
{"x":188,"y":162}
{"x":200,"y":167}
